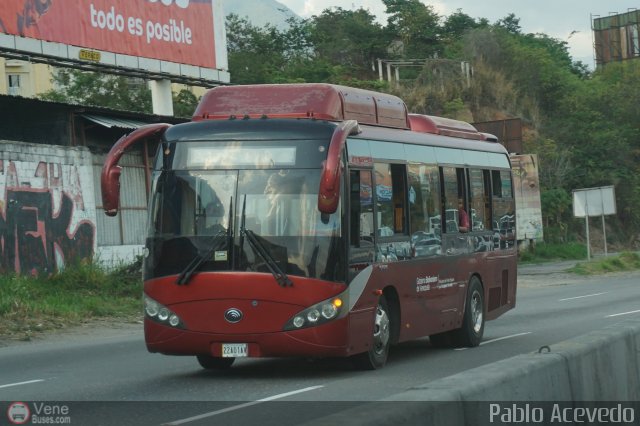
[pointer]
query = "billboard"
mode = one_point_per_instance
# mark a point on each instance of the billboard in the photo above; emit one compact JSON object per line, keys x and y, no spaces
{"x":616,"y":36}
{"x":526,"y":188}
{"x":176,"y":31}
{"x":594,"y":201}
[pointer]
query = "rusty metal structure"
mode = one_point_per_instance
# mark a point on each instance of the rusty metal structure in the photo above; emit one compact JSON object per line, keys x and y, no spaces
{"x":616,"y":37}
{"x":508,"y":132}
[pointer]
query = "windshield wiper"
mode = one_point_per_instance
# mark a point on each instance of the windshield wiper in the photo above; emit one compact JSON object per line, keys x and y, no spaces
{"x":185,"y":275}
{"x":280,"y":276}
{"x":193,"y":266}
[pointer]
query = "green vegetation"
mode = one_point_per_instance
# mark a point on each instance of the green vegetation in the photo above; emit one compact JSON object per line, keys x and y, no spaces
{"x":552,"y":252}
{"x":76,"y":295}
{"x":624,"y":262}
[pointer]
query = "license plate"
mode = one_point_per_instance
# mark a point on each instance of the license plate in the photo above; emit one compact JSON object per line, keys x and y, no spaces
{"x":233,"y":350}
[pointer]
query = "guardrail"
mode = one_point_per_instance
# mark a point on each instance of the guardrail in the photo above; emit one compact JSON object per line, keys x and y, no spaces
{"x":596,"y":374}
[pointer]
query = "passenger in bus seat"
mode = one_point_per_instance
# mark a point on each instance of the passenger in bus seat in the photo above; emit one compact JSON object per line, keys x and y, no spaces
{"x":463,"y":217}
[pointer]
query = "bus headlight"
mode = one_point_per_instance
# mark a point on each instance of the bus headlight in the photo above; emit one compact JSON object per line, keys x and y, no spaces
{"x":320,"y":313}
{"x":161,"y":313}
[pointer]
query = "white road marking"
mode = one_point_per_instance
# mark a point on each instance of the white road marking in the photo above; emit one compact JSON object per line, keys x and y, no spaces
{"x":238,"y":407}
{"x":21,"y":383}
{"x":582,"y":297}
{"x":496,"y":340}
{"x":622,"y":313}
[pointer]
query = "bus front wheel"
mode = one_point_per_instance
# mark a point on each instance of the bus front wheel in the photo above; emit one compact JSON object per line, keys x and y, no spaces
{"x":214,"y":363}
{"x":376,"y":356}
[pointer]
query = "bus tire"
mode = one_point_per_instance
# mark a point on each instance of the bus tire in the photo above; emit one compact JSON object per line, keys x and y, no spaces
{"x":209,"y":362}
{"x":376,"y":356}
{"x":470,"y":334}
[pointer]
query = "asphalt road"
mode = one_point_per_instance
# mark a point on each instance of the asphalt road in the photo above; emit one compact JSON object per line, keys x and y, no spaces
{"x":108,"y":377}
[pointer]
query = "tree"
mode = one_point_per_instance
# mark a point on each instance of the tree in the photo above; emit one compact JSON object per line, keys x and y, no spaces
{"x":104,"y":90}
{"x":416,"y":25}
{"x":510,"y":23}
{"x":184,"y":103}
{"x":457,"y":24}
{"x":115,"y":92}
{"x":600,"y":123}
{"x":348,"y":38}
{"x":256,"y":55}
{"x":556,"y":203}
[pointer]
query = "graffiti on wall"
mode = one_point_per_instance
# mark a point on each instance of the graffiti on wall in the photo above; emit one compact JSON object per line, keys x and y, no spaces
{"x":526,"y":186}
{"x":44,"y":224}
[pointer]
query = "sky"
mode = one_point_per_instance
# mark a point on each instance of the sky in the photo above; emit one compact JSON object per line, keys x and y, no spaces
{"x":568,"y":20}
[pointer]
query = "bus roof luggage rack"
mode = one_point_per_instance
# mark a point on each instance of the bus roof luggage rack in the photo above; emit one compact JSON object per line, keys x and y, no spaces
{"x":311,"y":100}
{"x":444,"y":126}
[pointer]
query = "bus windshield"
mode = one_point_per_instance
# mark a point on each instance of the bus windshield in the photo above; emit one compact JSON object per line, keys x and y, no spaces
{"x":279,"y":206}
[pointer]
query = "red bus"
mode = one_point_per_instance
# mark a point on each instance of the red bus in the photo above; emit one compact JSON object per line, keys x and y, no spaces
{"x":321,"y":221}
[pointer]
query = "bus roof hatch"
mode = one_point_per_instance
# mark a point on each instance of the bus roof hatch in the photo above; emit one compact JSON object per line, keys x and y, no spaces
{"x":444,"y":126}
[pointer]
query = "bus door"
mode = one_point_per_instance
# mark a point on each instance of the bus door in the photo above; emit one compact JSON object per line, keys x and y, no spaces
{"x":362,"y":226}
{"x":456,"y":217}
{"x":456,"y":248}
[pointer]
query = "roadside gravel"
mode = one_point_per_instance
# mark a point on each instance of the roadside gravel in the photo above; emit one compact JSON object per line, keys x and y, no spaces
{"x":549,"y":274}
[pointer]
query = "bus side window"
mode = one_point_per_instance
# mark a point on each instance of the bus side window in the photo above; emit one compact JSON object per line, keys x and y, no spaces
{"x":424,"y":209}
{"x":503,"y":222}
{"x":479,"y":200}
{"x":450,"y":196}
{"x":361,"y":238}
{"x":361,"y":207}
{"x":391,"y":197}
{"x":398,"y":172}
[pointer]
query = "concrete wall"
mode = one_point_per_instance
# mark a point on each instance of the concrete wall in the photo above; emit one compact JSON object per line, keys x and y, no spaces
{"x":114,"y":256}
{"x":603,"y":365}
{"x":47,"y":209}
{"x":50,"y":209}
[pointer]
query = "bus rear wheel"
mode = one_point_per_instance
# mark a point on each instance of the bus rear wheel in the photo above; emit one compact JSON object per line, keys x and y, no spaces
{"x":470,"y":334}
{"x":376,"y":356}
{"x":214,"y":363}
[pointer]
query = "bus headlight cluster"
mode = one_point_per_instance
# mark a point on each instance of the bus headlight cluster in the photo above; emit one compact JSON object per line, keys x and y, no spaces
{"x":320,"y":313}
{"x":160,"y":313}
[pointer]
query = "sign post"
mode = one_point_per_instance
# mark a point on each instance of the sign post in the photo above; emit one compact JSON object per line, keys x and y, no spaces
{"x":593,"y":202}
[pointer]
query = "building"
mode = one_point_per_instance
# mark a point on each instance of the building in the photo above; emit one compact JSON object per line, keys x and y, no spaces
{"x":30,"y":79}
{"x":22,"y":78}
{"x":51,"y":156}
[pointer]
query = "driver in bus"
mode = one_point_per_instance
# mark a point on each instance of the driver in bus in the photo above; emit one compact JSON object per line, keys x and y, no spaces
{"x":278,"y":186}
{"x":214,"y":218}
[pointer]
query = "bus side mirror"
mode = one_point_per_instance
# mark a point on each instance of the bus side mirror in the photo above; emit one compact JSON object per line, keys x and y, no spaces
{"x":110,"y":177}
{"x":110,"y":184}
{"x":329,"y":193}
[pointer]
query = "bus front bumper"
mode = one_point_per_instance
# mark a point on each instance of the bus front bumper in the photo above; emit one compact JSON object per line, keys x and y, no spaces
{"x":327,"y":340}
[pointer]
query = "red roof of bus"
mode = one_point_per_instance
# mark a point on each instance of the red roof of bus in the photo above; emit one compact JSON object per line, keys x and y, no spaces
{"x":324,"y":102}
{"x":311,"y":100}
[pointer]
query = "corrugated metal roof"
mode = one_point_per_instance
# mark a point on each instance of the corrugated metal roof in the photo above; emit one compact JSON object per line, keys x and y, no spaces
{"x":110,"y":122}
